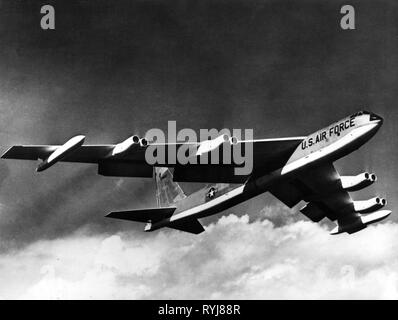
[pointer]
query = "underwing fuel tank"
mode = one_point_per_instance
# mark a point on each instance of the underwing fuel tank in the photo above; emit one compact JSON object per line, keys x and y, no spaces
{"x":361,"y":222}
{"x":61,"y":152}
{"x":210,"y":145}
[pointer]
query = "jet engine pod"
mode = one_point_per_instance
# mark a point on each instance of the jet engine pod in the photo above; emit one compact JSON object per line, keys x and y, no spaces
{"x":124,"y":146}
{"x":358,"y":182}
{"x":366,"y":206}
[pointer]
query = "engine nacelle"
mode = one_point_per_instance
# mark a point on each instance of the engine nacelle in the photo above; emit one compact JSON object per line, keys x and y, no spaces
{"x":366,"y":206}
{"x":210,"y":145}
{"x":358,"y":182}
{"x":122,"y":147}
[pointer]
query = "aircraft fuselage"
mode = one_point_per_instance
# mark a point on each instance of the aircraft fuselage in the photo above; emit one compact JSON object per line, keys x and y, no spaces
{"x":328,"y":144}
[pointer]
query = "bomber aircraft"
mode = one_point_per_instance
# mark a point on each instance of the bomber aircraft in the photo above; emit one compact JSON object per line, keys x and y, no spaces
{"x":292,"y":169}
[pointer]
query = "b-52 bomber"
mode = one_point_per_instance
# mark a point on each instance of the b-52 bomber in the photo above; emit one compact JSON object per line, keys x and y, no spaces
{"x":292,"y":169}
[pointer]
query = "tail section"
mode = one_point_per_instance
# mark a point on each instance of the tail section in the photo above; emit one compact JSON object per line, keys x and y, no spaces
{"x":168,"y":192}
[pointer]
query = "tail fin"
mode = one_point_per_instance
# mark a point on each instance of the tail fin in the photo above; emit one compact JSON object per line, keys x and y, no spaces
{"x":168,"y":191}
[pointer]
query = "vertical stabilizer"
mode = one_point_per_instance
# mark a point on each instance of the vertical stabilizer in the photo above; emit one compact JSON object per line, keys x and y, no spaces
{"x":168,"y":192}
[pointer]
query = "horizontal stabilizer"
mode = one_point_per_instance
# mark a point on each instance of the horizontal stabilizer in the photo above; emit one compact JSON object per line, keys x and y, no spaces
{"x":187,"y":225}
{"x":143,"y":215}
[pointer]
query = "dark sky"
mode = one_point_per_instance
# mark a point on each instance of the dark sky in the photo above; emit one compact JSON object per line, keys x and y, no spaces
{"x":112,"y":69}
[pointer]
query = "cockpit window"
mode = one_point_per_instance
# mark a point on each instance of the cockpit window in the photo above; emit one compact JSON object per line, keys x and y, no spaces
{"x":360,"y":113}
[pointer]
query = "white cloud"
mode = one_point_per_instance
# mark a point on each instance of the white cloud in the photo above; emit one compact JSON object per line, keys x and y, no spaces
{"x":232,"y":259}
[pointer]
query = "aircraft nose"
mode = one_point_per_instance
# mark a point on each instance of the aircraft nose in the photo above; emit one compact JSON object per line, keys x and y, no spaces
{"x":375,"y":117}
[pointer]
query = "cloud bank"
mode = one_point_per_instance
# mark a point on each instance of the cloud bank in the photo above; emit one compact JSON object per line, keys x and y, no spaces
{"x":233,"y":259}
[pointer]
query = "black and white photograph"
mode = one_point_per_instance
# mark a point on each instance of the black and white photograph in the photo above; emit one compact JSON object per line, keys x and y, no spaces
{"x":206,"y":150}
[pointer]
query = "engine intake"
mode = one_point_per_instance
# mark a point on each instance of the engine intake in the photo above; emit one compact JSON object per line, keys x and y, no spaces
{"x":143,"y":142}
{"x":233,"y":140}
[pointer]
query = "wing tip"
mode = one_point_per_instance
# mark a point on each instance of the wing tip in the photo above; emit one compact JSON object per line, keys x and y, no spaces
{"x":112,"y":214}
{"x":6,"y":154}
